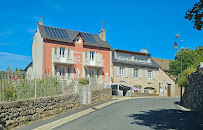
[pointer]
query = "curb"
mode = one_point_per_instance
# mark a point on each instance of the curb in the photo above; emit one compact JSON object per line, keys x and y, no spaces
{"x":183,"y":108}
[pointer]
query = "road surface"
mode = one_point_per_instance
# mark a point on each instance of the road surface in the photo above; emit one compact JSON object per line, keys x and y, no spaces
{"x":138,"y":114}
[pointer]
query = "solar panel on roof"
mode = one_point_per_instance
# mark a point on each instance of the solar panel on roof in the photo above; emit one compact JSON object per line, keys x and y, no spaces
{"x":88,"y":37}
{"x":56,"y":32}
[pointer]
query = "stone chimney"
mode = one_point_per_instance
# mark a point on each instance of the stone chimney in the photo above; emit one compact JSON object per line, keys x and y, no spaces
{"x":144,"y":50}
{"x":40,"y":23}
{"x":102,"y":34}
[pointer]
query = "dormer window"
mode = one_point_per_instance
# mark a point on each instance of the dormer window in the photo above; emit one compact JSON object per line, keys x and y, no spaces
{"x":78,"y":39}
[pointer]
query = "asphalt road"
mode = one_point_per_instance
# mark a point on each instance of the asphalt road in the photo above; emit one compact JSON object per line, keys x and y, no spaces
{"x":138,"y":114}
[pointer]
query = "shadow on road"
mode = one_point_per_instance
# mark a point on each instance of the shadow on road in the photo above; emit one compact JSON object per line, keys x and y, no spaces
{"x":168,"y":119}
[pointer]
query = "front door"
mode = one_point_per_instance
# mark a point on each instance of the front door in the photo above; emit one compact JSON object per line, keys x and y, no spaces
{"x":169,"y":90}
{"x":92,"y":58}
{"x":161,"y":89}
{"x":62,"y":72}
{"x":92,"y":73}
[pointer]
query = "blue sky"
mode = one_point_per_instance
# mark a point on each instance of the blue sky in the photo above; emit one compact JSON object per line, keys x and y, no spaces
{"x":130,"y":25}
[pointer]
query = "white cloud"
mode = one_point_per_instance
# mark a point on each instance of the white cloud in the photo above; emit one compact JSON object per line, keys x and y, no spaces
{"x":13,"y":60}
{"x":7,"y":32}
{"x":7,"y":44}
{"x":31,"y":30}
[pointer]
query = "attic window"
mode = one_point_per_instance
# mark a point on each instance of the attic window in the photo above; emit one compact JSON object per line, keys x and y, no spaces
{"x":78,"y":39}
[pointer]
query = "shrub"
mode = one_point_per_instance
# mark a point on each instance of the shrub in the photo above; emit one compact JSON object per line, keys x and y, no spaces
{"x":84,"y":81}
{"x":183,"y":81}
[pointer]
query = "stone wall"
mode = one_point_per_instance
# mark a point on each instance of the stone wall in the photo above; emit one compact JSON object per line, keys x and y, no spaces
{"x":193,"y":95}
{"x":101,"y":94}
{"x":22,"y":111}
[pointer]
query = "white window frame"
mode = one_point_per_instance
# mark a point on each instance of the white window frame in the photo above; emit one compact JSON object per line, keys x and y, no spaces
{"x":62,"y":51}
{"x":92,"y":55}
{"x":149,"y":74}
{"x":135,"y":74}
{"x":121,"y":70}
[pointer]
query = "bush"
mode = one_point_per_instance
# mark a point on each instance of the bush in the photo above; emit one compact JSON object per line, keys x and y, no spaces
{"x":84,"y":81}
{"x":183,"y":81}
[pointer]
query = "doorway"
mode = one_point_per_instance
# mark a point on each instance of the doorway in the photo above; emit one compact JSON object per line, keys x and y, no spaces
{"x":169,"y":90}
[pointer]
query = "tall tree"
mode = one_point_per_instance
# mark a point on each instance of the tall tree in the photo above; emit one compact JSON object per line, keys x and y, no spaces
{"x":188,"y":58}
{"x":195,"y":14}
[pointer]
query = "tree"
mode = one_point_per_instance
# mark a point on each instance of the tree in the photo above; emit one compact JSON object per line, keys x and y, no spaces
{"x":188,"y":58}
{"x":195,"y":15}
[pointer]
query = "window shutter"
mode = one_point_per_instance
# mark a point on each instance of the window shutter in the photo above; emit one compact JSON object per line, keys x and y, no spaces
{"x":132,"y":72}
{"x":154,"y":74}
{"x":55,"y":50}
{"x":126,"y":72}
{"x":86,"y":52}
{"x":98,"y":56}
{"x":69,"y":52}
{"x":140,"y":73}
{"x":146,"y":74}
{"x":118,"y":71}
{"x":56,"y":70}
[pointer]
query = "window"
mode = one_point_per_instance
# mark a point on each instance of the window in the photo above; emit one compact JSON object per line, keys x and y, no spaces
{"x":68,"y":71}
{"x":92,"y":55}
{"x":135,"y":72}
{"x":92,"y":73}
{"x":62,"y":72}
{"x":62,"y":51}
{"x":149,"y":74}
{"x":121,"y":71}
{"x":78,"y":39}
{"x":145,"y":90}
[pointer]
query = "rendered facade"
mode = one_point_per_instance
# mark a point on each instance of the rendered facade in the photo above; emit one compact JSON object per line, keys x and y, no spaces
{"x":69,"y":54}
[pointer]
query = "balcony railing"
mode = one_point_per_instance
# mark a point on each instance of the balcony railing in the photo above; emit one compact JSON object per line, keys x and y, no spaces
{"x":89,"y":63}
{"x":64,"y":59}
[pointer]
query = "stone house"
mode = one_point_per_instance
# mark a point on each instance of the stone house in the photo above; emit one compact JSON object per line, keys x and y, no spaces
{"x":138,"y":69}
{"x":69,"y":54}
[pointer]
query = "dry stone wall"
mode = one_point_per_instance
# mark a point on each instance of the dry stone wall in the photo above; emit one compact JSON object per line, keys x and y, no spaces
{"x":22,"y":111}
{"x":193,"y":95}
{"x":101,"y":94}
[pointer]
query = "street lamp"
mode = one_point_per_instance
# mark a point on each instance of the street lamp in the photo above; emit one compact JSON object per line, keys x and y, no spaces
{"x":175,"y":47}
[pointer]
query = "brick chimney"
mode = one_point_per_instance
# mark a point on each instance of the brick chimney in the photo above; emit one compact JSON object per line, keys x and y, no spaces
{"x":144,"y":50}
{"x":40,"y":23}
{"x":102,"y":34}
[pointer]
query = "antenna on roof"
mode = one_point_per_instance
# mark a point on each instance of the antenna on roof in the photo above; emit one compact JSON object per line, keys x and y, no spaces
{"x":102,"y":23}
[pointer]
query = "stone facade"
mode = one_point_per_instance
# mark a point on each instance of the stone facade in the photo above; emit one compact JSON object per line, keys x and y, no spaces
{"x":193,"y":95}
{"x":161,"y":78}
{"x":18,"y":112}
